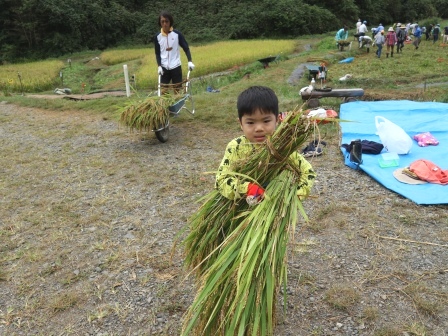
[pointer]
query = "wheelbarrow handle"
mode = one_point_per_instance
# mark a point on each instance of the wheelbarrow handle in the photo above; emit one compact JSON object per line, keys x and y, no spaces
{"x":159,"y":84}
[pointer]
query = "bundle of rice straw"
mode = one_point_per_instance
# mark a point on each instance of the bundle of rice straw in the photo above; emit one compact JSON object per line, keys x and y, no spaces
{"x":239,"y":252}
{"x":149,"y":114}
{"x":344,"y":42}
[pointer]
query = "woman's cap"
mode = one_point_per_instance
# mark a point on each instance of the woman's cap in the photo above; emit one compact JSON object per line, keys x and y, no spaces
{"x":404,"y":178}
{"x":390,"y":29}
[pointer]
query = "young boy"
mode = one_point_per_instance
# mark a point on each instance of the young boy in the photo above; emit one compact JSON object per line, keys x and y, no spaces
{"x":258,"y":117}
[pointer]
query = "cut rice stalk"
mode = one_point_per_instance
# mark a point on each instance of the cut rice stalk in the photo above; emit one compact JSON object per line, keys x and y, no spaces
{"x":248,"y":270}
{"x":217,"y":217}
{"x":147,"y":115}
{"x":239,"y":253}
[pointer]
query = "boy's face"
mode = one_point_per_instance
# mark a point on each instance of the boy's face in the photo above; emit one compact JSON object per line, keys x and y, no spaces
{"x":258,"y":126}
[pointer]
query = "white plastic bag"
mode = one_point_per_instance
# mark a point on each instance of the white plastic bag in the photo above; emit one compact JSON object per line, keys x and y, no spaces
{"x":392,"y":136}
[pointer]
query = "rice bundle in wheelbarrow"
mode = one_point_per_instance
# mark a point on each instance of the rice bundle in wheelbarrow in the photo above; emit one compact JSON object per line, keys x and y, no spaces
{"x":238,"y":252}
{"x":149,"y":114}
{"x":344,"y":43}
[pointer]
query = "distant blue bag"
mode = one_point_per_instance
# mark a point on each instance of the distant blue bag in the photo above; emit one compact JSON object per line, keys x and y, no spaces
{"x":347,"y":60}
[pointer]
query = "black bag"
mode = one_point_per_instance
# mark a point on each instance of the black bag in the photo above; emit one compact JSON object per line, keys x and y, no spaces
{"x":367,"y":147}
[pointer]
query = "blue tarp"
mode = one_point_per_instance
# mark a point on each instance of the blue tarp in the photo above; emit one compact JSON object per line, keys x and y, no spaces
{"x":414,"y":118}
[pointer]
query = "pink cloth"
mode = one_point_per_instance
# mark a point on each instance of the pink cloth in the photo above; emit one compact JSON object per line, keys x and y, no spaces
{"x":391,"y":38}
{"x":425,"y":139}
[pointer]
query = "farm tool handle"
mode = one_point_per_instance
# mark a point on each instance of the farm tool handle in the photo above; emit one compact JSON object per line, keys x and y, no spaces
{"x":186,"y":82}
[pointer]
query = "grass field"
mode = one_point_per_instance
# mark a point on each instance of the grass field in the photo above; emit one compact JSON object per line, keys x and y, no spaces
{"x":413,"y":74}
{"x":30,"y":77}
{"x":85,"y":72}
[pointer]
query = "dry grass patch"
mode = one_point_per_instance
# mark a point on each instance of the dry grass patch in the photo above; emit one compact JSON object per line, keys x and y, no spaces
{"x":100,"y":313}
{"x":316,"y":225}
{"x":304,"y":246}
{"x":370,"y":313}
{"x":332,"y":214}
{"x":388,"y":331}
{"x":342,"y":296}
{"x":400,"y":329}
{"x":8,"y":317}
{"x":64,"y":301}
{"x":306,"y":279}
{"x":426,"y":306}
{"x":327,"y":211}
{"x":426,"y":300}
{"x":3,"y":275}
{"x":417,"y":329}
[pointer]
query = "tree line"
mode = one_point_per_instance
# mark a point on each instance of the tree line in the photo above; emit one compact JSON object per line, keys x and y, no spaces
{"x":38,"y":29}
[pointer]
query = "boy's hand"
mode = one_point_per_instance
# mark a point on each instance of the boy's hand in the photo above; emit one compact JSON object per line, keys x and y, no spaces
{"x":254,"y":194}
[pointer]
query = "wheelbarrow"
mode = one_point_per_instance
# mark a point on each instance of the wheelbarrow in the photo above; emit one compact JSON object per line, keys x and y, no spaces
{"x":267,"y":60}
{"x":185,"y":103}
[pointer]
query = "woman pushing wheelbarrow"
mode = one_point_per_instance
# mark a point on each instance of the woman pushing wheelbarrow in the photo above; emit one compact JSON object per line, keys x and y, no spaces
{"x":166,"y":46}
{"x":152,"y":114}
{"x":341,"y":38}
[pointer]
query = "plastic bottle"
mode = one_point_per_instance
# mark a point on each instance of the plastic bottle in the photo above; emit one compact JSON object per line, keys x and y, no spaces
{"x":313,"y":82}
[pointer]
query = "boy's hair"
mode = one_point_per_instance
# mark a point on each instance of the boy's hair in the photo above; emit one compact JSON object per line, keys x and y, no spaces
{"x":257,"y":98}
{"x":166,"y":15}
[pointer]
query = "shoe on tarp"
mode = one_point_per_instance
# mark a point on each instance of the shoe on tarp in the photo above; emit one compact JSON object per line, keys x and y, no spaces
{"x":356,"y":152}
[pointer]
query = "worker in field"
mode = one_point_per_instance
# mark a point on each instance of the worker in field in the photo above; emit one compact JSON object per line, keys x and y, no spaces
{"x":358,"y":24}
{"x":365,"y":41}
{"x":341,"y":37}
{"x":167,"y":44}
{"x":401,"y":37}
{"x":417,"y":36}
{"x":363,"y":29}
{"x":391,"y":41}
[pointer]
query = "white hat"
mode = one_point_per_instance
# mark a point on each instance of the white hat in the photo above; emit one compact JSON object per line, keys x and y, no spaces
{"x":400,"y":176}
{"x":390,"y":29}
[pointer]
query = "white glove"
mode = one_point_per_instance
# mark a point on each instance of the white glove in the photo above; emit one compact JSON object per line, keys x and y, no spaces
{"x":190,"y":66}
{"x":160,"y":71}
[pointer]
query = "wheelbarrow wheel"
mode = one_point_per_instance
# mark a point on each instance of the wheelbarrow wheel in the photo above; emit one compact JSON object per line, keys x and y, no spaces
{"x":163,"y":134}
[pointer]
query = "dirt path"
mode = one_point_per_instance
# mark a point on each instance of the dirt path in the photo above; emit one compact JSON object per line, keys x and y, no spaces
{"x":89,"y":214}
{"x":89,"y":96}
